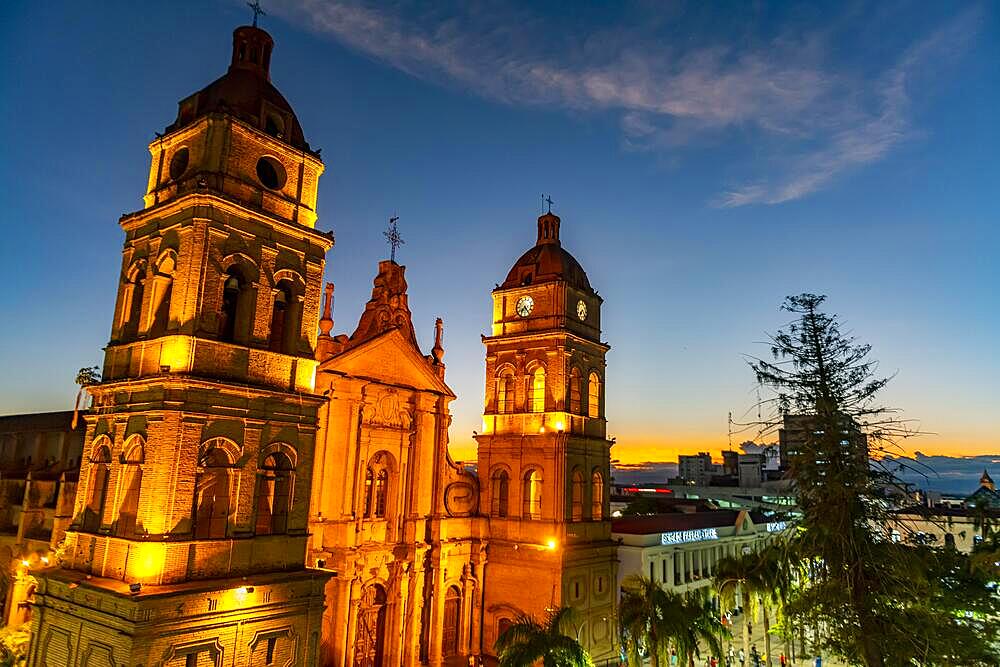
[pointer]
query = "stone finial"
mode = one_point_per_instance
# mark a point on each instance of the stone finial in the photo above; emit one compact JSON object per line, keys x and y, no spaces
{"x":438,"y":350}
{"x":326,"y":322}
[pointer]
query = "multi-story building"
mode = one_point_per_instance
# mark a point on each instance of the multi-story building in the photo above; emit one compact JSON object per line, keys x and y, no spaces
{"x":697,"y":468}
{"x":680,"y":550}
{"x":188,"y":539}
{"x":544,"y":456}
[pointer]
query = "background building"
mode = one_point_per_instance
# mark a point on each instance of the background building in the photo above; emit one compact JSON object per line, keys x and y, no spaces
{"x":39,"y":468}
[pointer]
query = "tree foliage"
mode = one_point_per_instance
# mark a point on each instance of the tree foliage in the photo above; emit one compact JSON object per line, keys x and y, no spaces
{"x":528,"y":640}
{"x":653,"y":621}
{"x":877,"y":602}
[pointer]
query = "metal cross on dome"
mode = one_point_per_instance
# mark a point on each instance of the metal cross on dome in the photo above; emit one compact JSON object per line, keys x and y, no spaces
{"x":392,"y":237}
{"x":257,"y":11}
{"x":547,"y":199}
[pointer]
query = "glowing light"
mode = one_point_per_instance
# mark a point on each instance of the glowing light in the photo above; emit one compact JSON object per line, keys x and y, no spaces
{"x":241,"y":593}
{"x":45,"y":559}
{"x":552,"y":544}
{"x":559,"y":426}
{"x":145,"y":562}
{"x":541,"y":429}
{"x":25,"y":563}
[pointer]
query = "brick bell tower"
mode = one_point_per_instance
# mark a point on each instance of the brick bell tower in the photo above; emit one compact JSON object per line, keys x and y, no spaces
{"x":544,"y":456}
{"x":188,"y":541}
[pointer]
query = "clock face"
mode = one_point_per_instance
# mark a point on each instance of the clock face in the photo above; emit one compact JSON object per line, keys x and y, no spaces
{"x":524,"y":306}
{"x":581,"y":310}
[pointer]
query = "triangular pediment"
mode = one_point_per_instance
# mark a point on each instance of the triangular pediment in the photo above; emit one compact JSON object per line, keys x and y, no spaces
{"x":389,"y":358}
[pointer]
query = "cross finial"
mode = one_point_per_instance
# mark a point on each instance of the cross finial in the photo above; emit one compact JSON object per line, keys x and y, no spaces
{"x":392,"y":237}
{"x":257,"y":11}
{"x":547,"y":199}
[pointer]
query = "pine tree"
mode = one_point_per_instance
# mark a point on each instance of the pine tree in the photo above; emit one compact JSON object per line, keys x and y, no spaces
{"x":878,"y":603}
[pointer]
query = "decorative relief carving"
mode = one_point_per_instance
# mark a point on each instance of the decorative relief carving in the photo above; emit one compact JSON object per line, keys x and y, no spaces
{"x":460,"y":498}
{"x":387,"y":410}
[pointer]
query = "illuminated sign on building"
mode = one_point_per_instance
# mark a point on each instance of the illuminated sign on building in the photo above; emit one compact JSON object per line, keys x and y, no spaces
{"x":684,"y":536}
{"x":776,"y":526}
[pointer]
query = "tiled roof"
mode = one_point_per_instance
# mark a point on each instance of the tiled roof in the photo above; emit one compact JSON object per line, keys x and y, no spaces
{"x":665,"y":523}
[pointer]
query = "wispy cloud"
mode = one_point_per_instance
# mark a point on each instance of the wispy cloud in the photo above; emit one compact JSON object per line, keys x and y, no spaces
{"x":814,"y":120}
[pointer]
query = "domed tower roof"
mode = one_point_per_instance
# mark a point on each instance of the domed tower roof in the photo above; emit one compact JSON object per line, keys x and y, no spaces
{"x":245,"y":91}
{"x":547,"y":260}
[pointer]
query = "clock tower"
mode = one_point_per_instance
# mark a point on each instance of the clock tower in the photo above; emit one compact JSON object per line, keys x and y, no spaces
{"x":544,"y":455}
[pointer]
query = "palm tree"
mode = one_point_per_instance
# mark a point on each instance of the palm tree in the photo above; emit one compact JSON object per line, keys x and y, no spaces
{"x":641,"y":624}
{"x":84,"y":377}
{"x":527,"y":640}
{"x":652,"y":620}
{"x":698,"y":622}
{"x":744,"y":574}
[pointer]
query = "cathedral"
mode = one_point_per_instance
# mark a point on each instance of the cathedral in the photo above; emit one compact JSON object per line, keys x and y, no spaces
{"x":256,"y":489}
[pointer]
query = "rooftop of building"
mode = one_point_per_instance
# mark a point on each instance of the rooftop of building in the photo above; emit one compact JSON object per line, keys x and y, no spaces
{"x":40,"y":421}
{"x":666,"y":523}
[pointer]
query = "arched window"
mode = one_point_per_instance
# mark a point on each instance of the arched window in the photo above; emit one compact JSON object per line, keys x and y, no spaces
{"x":236,"y":315}
{"x":274,"y":494}
{"x":128,"y":509}
{"x":212,"y":495}
{"x":93,"y":513}
{"x":594,"y":395}
{"x":536,"y":390}
{"x":369,"y":641}
{"x":532,"y":495}
{"x":574,"y":391}
{"x":369,"y":491}
{"x":279,"y":316}
{"x":381,"y":492}
{"x":500,"y":492}
{"x":597,"y":496}
{"x":163,"y":287}
{"x":231,"y":289}
{"x":576,"y":496}
{"x":377,"y":487}
{"x":505,"y":392}
{"x":285,"y":318}
{"x":133,"y":305}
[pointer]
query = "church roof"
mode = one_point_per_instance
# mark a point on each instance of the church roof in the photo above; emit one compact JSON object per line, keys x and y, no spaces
{"x":547,"y":260}
{"x":246,"y":92}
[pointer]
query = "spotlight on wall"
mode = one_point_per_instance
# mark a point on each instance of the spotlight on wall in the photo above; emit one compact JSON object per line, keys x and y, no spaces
{"x":45,"y":560}
{"x":551,"y":544}
{"x":25,"y":563}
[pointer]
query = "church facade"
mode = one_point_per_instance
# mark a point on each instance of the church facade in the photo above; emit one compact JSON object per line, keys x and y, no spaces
{"x":257,"y":490}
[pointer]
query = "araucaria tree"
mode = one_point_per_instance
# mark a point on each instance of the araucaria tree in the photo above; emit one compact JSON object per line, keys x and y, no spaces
{"x":876,"y":602}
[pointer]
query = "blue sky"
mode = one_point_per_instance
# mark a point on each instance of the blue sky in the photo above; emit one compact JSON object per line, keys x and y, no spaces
{"x":707,"y":160}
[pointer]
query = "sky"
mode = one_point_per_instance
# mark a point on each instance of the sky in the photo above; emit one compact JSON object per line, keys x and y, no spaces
{"x":707,"y":159}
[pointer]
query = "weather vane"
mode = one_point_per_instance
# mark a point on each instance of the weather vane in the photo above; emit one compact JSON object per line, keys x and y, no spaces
{"x":392,"y":237}
{"x":547,"y":199}
{"x":257,"y":11}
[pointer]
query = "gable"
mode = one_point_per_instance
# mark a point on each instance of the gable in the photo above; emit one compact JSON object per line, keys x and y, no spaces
{"x":389,"y":358}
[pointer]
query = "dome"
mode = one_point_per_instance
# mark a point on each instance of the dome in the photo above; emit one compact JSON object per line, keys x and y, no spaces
{"x":246,"y":92}
{"x":547,"y":260}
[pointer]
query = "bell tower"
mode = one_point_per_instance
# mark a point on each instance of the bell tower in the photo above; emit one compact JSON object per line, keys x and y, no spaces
{"x":544,"y":456}
{"x":188,"y":541}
